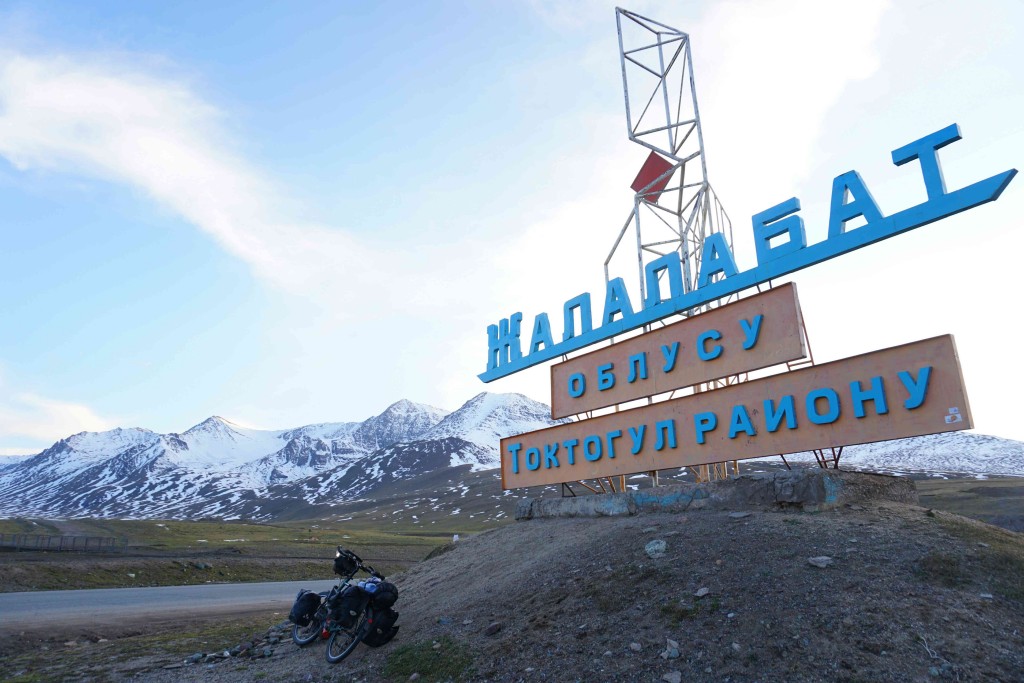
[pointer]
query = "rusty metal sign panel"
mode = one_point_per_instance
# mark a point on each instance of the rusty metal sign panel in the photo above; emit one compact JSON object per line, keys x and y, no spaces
{"x":894,"y":393}
{"x":750,"y":334}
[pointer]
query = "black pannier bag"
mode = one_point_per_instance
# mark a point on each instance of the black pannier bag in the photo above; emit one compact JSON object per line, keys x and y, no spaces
{"x":347,"y":606}
{"x":386,"y":595}
{"x":383,"y":628}
{"x":306,"y":603}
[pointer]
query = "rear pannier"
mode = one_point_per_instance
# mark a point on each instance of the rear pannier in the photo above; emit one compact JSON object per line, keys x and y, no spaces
{"x":348,"y":606}
{"x":383,"y":628}
{"x":306,"y":603}
{"x":386,"y":595}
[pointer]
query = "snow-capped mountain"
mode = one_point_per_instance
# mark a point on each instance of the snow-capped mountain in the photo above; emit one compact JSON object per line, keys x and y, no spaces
{"x":219,"y":468}
{"x":318,"y":448}
{"x":399,"y":422}
{"x":947,"y":453}
{"x":469,"y":436}
{"x":216,"y":444}
{"x":484,"y":421}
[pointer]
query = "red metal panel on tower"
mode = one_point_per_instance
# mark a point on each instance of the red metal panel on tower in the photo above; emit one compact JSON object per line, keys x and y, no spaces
{"x":652,"y":168}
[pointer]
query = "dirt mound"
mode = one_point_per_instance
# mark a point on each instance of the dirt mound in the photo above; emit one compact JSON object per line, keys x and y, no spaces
{"x":902,"y":593}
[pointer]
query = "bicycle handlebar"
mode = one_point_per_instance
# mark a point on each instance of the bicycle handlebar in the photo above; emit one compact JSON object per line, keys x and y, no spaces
{"x":371,"y":571}
{"x":360,"y":565}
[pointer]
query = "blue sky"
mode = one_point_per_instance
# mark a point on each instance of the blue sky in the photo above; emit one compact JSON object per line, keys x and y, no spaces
{"x":291,"y":214}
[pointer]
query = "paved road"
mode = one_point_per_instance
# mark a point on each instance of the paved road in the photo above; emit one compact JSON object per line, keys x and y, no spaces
{"x":108,"y":606}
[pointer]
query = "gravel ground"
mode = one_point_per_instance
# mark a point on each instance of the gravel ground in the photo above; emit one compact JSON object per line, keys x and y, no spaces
{"x":905,"y":594}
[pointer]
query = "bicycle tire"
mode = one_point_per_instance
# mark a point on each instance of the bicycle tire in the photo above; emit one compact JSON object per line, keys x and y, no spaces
{"x":344,"y":641}
{"x":304,"y":635}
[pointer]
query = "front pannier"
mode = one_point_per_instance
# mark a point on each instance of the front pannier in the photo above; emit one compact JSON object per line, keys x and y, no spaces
{"x":348,"y":606}
{"x":386,"y":595}
{"x":306,"y":603}
{"x":383,"y":628}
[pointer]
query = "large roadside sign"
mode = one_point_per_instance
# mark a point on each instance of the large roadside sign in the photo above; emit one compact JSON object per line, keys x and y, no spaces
{"x":899,"y":392}
{"x":688,"y":266}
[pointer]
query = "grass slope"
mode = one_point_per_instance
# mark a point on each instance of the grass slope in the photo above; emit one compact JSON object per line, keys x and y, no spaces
{"x":998,"y":501}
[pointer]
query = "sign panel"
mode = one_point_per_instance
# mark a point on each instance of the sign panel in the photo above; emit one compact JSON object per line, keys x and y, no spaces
{"x":894,"y":393}
{"x":750,"y":334}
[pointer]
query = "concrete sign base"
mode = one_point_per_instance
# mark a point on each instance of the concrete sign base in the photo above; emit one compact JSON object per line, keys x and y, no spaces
{"x":803,"y":489}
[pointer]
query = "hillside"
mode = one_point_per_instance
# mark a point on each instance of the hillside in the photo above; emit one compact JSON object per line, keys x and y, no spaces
{"x":911,"y":595}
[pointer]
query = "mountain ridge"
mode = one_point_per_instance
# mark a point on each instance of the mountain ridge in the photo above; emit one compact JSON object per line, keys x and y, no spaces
{"x":221,"y":469}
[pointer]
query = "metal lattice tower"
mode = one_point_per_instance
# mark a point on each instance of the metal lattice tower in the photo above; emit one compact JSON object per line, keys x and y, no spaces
{"x":674,"y":208}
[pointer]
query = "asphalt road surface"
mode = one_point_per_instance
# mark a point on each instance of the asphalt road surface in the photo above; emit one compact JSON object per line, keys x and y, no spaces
{"x":104,"y":608}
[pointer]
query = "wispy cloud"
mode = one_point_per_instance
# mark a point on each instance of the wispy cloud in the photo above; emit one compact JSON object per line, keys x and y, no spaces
{"x":89,"y":115}
{"x":30,"y":416}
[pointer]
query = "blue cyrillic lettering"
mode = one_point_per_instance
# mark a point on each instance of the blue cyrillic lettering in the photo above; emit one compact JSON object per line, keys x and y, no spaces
{"x":876,"y":393}
{"x":916,"y":388}
{"x":637,"y":367}
{"x":611,"y":436}
{"x":781,"y":220}
{"x":541,"y":333}
{"x":504,"y":354}
{"x":773,"y":418}
{"x":513,"y":450}
{"x":831,"y":398}
{"x":577,"y":384}
{"x":702,"y":350}
{"x":616,"y":301}
{"x":925,"y":151}
{"x":861,"y":204}
{"x":637,"y":435}
{"x":751,"y":331}
{"x":740,"y":422}
{"x":716,"y":258}
{"x":668,"y":263}
{"x":582,"y":302}
{"x":605,"y":377}
{"x":550,"y":459}
{"x":703,"y":423}
{"x":570,"y":450}
{"x":665,"y":431}
{"x":670,"y":355}
{"x":503,"y":341}
{"x":533,"y":458}
{"x":592,"y":454}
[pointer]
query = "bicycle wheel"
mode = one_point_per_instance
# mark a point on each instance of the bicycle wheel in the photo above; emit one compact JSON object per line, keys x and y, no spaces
{"x":304,"y":635}
{"x":343,"y":641}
